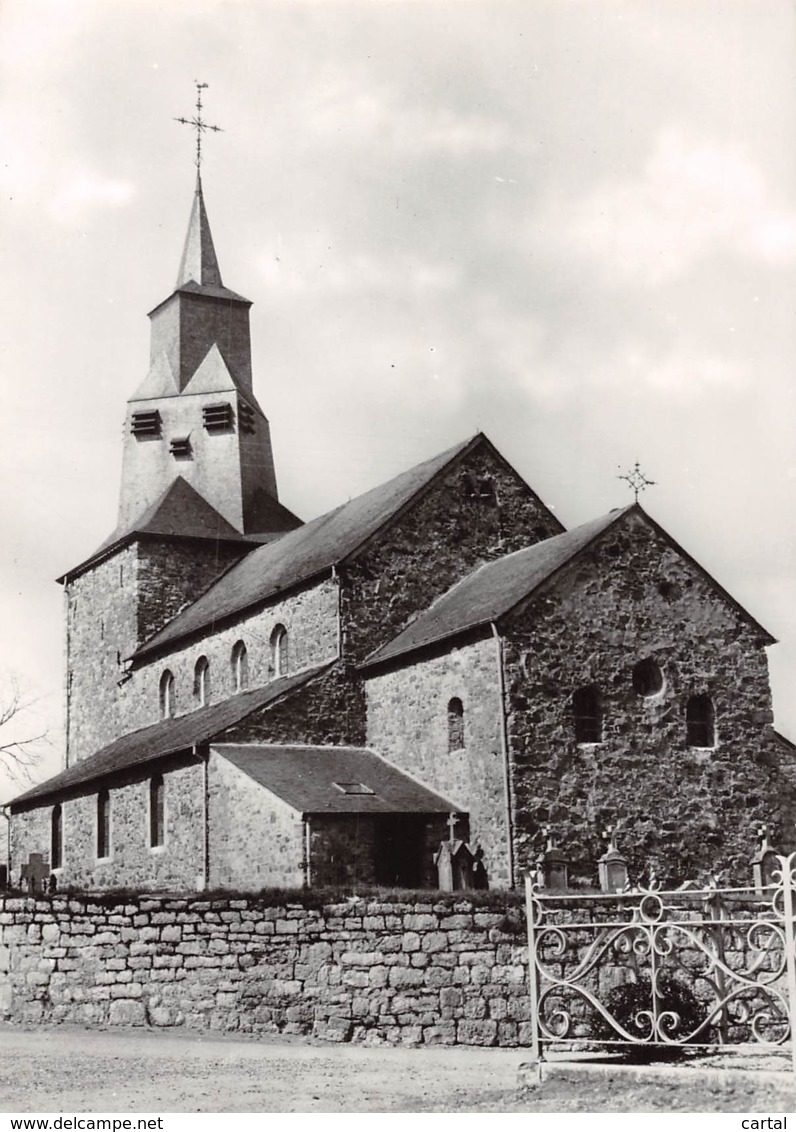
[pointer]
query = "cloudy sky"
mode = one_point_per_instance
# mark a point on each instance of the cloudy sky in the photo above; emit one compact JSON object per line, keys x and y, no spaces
{"x":570,"y":225}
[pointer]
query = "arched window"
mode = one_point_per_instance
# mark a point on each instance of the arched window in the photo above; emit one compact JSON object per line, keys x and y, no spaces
{"x":700,"y":722}
{"x":240,"y":667}
{"x":56,"y":837}
{"x":157,"y":813}
{"x":455,"y":724}
{"x":201,"y":681}
{"x":587,"y":714}
{"x":279,"y":651}
{"x":166,"y":695}
{"x":104,"y":824}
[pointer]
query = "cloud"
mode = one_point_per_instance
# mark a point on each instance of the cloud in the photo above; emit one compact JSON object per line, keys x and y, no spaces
{"x":313,"y":264}
{"x":340,"y":106}
{"x":691,"y":200}
{"x":85,"y":191}
{"x":687,"y":376}
{"x":519,"y":350}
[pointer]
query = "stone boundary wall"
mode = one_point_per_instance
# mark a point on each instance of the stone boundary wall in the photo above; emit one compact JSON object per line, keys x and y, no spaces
{"x":435,"y":972}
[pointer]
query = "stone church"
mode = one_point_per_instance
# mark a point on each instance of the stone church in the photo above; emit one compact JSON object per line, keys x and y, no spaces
{"x":436,"y":666}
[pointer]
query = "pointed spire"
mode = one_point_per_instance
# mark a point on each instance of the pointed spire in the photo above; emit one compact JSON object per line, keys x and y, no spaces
{"x":199,"y":261}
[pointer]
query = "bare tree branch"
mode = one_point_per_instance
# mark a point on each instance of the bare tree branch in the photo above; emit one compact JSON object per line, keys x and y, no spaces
{"x":22,"y":735}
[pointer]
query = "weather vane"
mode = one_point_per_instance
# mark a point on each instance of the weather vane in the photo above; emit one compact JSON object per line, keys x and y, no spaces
{"x":637,"y":480}
{"x":199,"y":123}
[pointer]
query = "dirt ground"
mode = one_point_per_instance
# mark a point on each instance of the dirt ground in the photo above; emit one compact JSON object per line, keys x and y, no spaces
{"x":69,"y":1070}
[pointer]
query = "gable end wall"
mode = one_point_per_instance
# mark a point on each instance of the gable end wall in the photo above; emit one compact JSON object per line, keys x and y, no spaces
{"x":629,"y":597}
{"x":440,"y":539}
{"x":255,"y":839}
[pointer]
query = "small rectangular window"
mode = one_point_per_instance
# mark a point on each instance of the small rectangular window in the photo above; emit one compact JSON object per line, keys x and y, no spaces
{"x":218,"y":418}
{"x":57,"y":837}
{"x":103,"y":824}
{"x":157,"y":816}
{"x":146,"y":423}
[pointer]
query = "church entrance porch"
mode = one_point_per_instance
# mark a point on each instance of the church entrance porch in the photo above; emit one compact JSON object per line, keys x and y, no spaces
{"x":360,"y":850}
{"x":398,"y":850}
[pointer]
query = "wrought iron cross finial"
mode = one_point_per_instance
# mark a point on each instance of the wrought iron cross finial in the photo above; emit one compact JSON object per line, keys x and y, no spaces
{"x":637,"y":480}
{"x":199,"y":123}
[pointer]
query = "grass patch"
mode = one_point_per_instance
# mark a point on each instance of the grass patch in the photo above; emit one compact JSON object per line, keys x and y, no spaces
{"x":508,"y":903}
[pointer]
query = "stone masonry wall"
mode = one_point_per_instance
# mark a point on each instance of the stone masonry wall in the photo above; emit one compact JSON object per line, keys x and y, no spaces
{"x":408,"y":724}
{"x":364,"y":971}
{"x":439,"y":539}
{"x":132,"y":861}
{"x":328,"y":710}
{"x":308,"y":614}
{"x":681,"y":808}
{"x":172,"y":573}
{"x":101,"y":630}
{"x":256,"y":839}
{"x":110,"y":610}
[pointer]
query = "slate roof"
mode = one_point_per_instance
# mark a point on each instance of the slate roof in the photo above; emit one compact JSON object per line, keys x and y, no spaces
{"x":210,"y":290}
{"x":181,"y":512}
{"x":497,"y":587}
{"x":199,"y":263}
{"x":193,"y":288}
{"x":167,"y":737}
{"x":490,"y":591}
{"x":305,"y":777}
{"x":199,"y":272}
{"x":303,"y":553}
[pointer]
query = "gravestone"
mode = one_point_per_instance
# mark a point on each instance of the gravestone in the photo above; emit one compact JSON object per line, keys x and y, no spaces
{"x":35,"y":874}
{"x":764,"y":863}
{"x":552,"y":866}
{"x":455,"y":863}
{"x":612,"y":866}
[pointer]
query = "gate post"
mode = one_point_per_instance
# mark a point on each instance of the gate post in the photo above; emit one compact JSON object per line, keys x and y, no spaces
{"x":786,"y":867}
{"x":533,"y":970}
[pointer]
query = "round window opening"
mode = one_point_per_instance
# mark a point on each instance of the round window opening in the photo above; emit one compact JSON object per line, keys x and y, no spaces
{"x":647,"y":678}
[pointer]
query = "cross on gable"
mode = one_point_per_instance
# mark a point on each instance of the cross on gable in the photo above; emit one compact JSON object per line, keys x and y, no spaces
{"x":637,"y":480}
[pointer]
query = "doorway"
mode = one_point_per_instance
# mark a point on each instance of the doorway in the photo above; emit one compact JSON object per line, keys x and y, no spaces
{"x":398,"y":850}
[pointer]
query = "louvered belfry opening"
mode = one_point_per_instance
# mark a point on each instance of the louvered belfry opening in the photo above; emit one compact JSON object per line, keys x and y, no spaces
{"x":146,"y":423}
{"x":218,"y":417}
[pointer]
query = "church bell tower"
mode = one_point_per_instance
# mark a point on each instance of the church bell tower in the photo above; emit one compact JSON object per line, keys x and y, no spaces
{"x":198,"y":491}
{"x":195,"y":415}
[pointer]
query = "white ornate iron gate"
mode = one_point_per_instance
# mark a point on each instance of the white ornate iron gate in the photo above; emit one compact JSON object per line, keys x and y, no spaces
{"x":706,"y":967}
